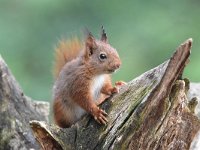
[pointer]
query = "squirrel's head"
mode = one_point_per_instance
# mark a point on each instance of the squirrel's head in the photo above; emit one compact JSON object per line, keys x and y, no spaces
{"x":100,"y":54}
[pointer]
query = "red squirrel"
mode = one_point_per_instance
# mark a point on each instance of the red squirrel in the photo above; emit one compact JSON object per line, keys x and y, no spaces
{"x":83,"y":79}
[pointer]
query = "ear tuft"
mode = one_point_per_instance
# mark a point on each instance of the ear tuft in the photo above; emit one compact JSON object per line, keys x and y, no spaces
{"x":103,"y":35}
{"x":90,"y":45}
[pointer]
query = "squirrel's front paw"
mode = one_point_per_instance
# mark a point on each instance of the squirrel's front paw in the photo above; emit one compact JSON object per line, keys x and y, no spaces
{"x":100,"y":115}
{"x":117,"y":86}
{"x":120,"y":83}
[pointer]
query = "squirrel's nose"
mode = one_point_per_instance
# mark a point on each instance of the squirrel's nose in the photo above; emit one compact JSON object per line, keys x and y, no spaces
{"x":117,"y":65}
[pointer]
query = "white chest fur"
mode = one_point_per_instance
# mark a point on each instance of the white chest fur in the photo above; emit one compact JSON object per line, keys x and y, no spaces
{"x":96,"y":86}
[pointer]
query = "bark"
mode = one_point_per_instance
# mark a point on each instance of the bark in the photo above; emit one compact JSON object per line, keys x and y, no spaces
{"x":152,"y":112}
{"x":16,"y":110}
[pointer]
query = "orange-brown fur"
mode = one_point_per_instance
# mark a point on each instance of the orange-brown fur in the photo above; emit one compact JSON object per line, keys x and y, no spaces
{"x":83,"y":81}
{"x":60,"y":119}
{"x":65,"y":52}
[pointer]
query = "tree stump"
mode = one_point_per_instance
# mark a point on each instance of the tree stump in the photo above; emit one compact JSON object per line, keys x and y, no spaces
{"x":16,"y":110}
{"x":151,"y":112}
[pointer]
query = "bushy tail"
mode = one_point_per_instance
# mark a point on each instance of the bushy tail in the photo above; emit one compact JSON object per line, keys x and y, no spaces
{"x":65,"y":52}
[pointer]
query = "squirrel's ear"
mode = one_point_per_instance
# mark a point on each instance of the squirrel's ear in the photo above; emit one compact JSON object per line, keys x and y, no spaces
{"x":90,"y":41}
{"x":103,"y":35}
{"x":90,"y":44}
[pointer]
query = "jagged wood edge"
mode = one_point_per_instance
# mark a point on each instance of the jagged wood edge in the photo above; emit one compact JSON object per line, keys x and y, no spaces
{"x":160,"y":96}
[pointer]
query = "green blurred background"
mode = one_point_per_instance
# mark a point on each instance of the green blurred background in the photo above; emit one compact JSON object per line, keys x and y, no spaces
{"x":144,"y":32}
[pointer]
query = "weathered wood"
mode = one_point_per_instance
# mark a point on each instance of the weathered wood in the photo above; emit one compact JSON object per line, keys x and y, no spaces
{"x":194,"y":94}
{"x":151,"y":112}
{"x":16,"y":110}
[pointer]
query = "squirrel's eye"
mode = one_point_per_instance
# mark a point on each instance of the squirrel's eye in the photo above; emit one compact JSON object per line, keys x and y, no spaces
{"x":102,"y":56}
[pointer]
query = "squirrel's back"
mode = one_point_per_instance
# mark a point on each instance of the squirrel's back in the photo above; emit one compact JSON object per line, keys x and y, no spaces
{"x":66,"y":51}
